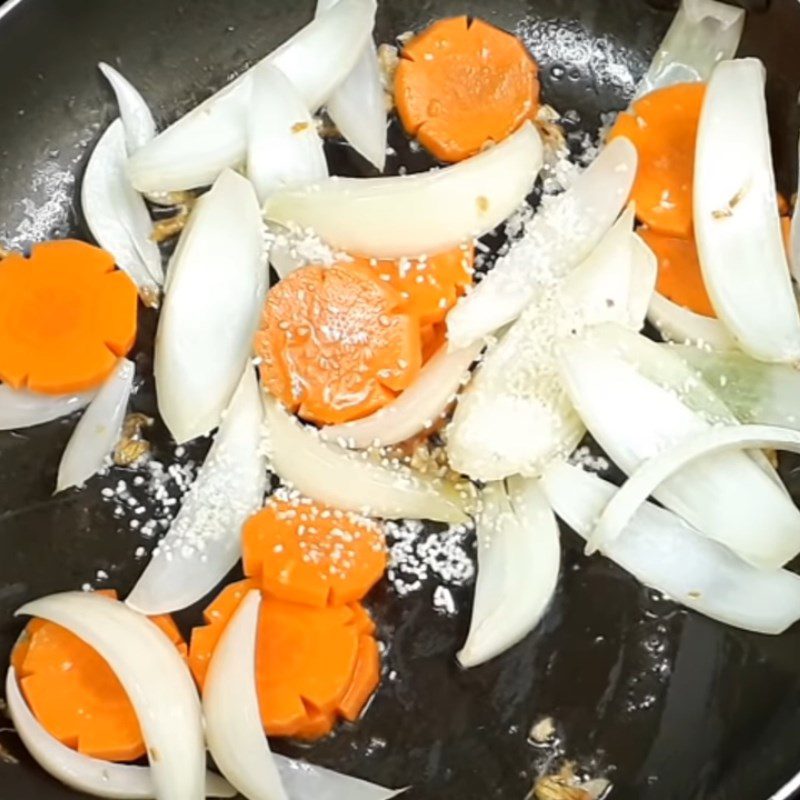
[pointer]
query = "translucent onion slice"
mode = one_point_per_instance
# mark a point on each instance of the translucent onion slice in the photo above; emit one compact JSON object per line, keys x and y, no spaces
{"x":633,"y":419}
{"x":304,"y":781}
{"x":736,"y":216}
{"x":234,"y":731}
{"x":652,"y":473}
{"x":193,"y":151}
{"x":20,"y":408}
{"x":663,"y":552}
{"x":211,"y":308}
{"x":351,"y":482}
{"x":155,"y":678}
{"x":80,"y":772}
{"x":203,"y":543}
{"x":283,"y":147}
{"x":681,"y":325}
{"x":644,"y":274}
{"x":703,"y":33}
{"x":116,"y":213}
{"x":98,"y":429}
{"x":519,"y":556}
{"x":358,"y":106}
{"x":415,"y":409}
{"x":754,"y":391}
{"x":140,"y":127}
{"x":515,"y":415}
{"x":411,"y":215}
{"x":561,"y":235}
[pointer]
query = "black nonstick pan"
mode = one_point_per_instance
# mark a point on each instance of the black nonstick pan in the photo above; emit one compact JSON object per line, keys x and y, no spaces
{"x":666,"y":704}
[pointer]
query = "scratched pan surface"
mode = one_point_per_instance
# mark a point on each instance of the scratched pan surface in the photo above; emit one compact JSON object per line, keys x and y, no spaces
{"x":669,"y":705}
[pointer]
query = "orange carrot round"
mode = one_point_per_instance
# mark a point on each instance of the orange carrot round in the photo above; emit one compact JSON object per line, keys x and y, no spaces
{"x":462,"y":84}
{"x":66,"y":316}
{"x":74,"y":693}
{"x":304,"y":552}
{"x":663,"y":127}
{"x":680,"y":278}
{"x":334,"y":345}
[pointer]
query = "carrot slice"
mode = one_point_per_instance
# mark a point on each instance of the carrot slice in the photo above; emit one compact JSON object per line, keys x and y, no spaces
{"x":304,"y":552}
{"x":66,"y":316}
{"x":663,"y":127}
{"x":334,"y":345}
{"x":74,"y":693}
{"x":462,"y":84}
{"x":365,"y":680}
{"x":680,"y":278}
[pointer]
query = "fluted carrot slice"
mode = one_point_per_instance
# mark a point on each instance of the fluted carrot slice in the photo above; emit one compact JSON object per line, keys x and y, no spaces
{"x":66,"y":316}
{"x":462,"y":84}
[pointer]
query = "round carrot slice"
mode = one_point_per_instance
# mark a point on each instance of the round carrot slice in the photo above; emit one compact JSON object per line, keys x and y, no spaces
{"x":680,"y":278}
{"x":663,"y":127}
{"x":66,"y":316}
{"x":333,"y":344}
{"x":304,"y":552}
{"x":74,"y":693}
{"x":462,"y":84}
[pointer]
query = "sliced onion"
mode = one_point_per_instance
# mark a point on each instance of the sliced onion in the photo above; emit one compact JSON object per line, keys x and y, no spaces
{"x":412,"y":215}
{"x":682,"y":325}
{"x":416,"y":409}
{"x":80,"y":772}
{"x":756,"y":392}
{"x":20,"y":408}
{"x":154,"y":676}
{"x":331,"y":475}
{"x":703,"y":33}
{"x":211,"y":308}
{"x":98,"y":429}
{"x":652,"y":473}
{"x":515,"y":415}
{"x":140,"y":127}
{"x":117,"y":215}
{"x":193,"y":151}
{"x":561,"y":235}
{"x":663,"y":552}
{"x":203,"y":543}
{"x":644,"y":274}
{"x":519,"y":556}
{"x":304,"y":781}
{"x":736,"y":216}
{"x":234,"y":731}
{"x":357,"y":106}
{"x":283,"y":146}
{"x":725,"y":496}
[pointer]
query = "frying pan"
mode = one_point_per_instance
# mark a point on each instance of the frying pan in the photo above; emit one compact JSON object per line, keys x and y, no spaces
{"x":665,"y":703}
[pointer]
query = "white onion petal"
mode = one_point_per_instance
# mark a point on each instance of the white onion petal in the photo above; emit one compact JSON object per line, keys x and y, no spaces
{"x":561,"y":235}
{"x":703,"y":33}
{"x":519,"y":556}
{"x":304,"y":781}
{"x":203,"y":544}
{"x":155,"y":678}
{"x":193,"y":151}
{"x":83,"y":773}
{"x":420,"y":214}
{"x":98,"y":430}
{"x":725,"y":496}
{"x":357,"y":106}
{"x":234,"y":731}
{"x":116,"y":213}
{"x":21,"y":408}
{"x":350,"y":482}
{"x":284,"y":148}
{"x":736,"y":217}
{"x":211,"y":307}
{"x":140,"y":127}
{"x":415,"y":409}
{"x":663,"y":552}
{"x":652,"y":473}
{"x":682,"y":325}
